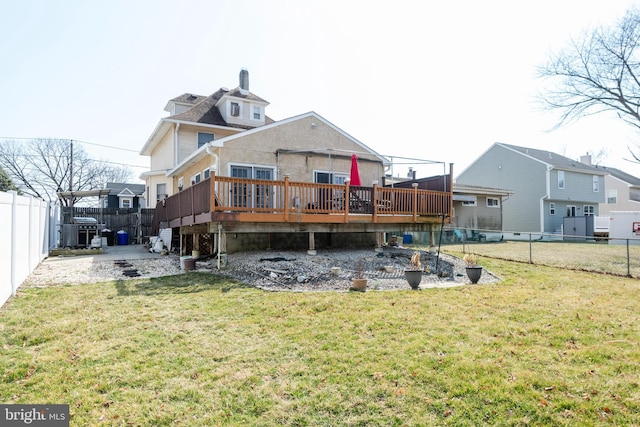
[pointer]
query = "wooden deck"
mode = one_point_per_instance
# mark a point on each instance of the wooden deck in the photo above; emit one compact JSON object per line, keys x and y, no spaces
{"x":252,"y":202}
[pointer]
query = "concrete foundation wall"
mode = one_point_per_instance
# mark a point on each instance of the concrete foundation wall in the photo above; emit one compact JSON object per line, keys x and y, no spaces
{"x":238,"y":242}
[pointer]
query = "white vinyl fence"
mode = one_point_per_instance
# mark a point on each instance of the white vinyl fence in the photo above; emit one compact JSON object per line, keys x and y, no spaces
{"x":27,"y":233}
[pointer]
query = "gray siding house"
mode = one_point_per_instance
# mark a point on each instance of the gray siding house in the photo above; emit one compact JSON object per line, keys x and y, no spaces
{"x":545,"y":187}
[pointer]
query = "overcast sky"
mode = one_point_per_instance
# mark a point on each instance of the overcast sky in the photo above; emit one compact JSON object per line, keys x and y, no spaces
{"x":430,"y":80}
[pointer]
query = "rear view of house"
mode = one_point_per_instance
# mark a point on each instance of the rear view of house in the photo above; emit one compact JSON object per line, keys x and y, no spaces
{"x":221,"y":167}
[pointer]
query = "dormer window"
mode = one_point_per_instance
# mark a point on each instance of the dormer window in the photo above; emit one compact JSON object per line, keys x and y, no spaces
{"x":235,"y":109}
{"x":257,"y":115}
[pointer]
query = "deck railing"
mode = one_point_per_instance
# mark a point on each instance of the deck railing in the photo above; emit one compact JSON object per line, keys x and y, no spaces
{"x":281,"y":199}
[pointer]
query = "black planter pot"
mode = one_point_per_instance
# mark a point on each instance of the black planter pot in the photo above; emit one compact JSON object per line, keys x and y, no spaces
{"x":414,"y":277}
{"x":474,"y":273}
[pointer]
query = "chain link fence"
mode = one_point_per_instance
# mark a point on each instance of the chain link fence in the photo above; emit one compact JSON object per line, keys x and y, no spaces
{"x":620,"y":257}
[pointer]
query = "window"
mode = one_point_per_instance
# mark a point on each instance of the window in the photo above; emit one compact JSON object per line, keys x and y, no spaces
{"x":180,"y":183}
{"x":161,"y":191}
{"x":256,"y":113}
{"x":560,"y":180}
{"x":235,"y":109}
{"x":469,"y":203}
{"x":552,"y":208}
{"x":195,"y":179}
{"x":596,"y":183}
{"x":126,"y":202}
{"x":612,"y":197}
{"x":493,"y":202}
{"x":330,"y":178}
{"x":588,"y":210}
{"x":204,"y":137}
{"x":571,"y":210}
{"x":206,"y":173}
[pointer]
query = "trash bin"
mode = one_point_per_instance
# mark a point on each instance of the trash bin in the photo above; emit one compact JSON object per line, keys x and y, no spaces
{"x":407,"y":239}
{"x":123,"y":237}
{"x":109,"y":235}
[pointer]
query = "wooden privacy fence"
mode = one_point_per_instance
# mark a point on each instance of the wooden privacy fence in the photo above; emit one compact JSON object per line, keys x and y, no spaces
{"x":136,"y":222}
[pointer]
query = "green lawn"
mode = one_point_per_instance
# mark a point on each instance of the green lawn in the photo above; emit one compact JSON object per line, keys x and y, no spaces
{"x":544,"y":347}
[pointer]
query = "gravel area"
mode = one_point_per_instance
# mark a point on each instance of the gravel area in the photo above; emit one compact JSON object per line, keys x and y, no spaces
{"x":328,"y":270}
{"x":77,"y":270}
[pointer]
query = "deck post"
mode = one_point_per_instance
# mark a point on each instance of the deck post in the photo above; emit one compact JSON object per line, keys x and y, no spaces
{"x":415,"y":201}
{"x":347,"y":200}
{"x":287,"y":198}
{"x":374,"y":201}
{"x":379,"y":241}
{"x":312,"y":244}
{"x":222,"y":247}
{"x":212,"y":196}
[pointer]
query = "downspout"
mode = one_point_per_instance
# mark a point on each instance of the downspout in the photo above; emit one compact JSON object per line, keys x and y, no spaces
{"x":175,"y":145}
{"x":547,"y":197}
{"x":215,"y":157}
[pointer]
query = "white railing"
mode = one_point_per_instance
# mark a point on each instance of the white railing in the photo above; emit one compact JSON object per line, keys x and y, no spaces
{"x":27,"y":232}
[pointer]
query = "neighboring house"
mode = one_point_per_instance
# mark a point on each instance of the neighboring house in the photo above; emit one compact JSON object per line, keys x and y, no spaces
{"x":219,"y":164}
{"x":124,"y":196}
{"x":477,"y":211}
{"x":546,"y":187}
{"x":622,"y":191}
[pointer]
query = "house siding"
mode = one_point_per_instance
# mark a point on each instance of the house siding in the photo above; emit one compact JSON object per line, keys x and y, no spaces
{"x":480,"y":217}
{"x":628,"y":199}
{"x":500,"y":167}
{"x":162,"y":154}
{"x":578,"y":187}
{"x":152,"y":182}
{"x":187,"y":142}
{"x":260,"y":150}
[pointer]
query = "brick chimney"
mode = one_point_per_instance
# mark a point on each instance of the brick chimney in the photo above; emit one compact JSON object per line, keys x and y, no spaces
{"x":244,"y":80}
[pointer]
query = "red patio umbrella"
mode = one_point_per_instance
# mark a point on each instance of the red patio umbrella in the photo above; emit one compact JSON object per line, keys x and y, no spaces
{"x":355,"y":174}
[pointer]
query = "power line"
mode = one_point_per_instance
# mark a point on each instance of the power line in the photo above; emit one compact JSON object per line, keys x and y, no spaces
{"x":74,"y":140}
{"x":93,"y":160}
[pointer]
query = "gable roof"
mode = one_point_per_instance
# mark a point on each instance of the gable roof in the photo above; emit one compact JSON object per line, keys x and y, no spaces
{"x":622,"y":176}
{"x":553,"y":159}
{"x":117,"y":188}
{"x":202,"y":151}
{"x":204,"y":112}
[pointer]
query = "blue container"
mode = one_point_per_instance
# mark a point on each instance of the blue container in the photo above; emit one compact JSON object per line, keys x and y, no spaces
{"x":123,"y":238}
{"x":407,"y":238}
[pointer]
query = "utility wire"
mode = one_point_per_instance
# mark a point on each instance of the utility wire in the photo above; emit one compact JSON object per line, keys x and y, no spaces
{"x":74,"y":140}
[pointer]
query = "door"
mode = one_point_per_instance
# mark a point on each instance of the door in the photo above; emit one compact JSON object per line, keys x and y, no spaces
{"x":251,"y":195}
{"x":263,"y":191}
{"x":240,"y":192}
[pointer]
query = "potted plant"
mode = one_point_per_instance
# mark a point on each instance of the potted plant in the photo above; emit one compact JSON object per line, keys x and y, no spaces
{"x":413,"y":273}
{"x":359,"y":282}
{"x":474,"y":271}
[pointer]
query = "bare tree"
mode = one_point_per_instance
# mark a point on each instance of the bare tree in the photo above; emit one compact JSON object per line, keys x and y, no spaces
{"x":44,"y":167}
{"x":597,"y":73}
